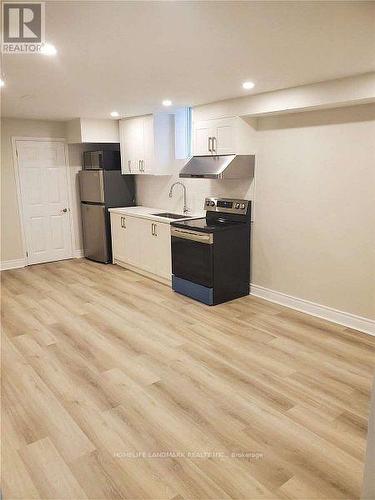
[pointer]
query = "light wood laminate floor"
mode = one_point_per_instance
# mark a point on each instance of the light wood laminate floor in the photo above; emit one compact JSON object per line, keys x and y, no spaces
{"x":103,"y":370}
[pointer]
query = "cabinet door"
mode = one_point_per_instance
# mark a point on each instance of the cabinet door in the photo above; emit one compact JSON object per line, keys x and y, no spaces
{"x":162,"y":250}
{"x":128,"y":138}
{"x":118,"y":237}
{"x":131,"y":145}
{"x":146,"y":250}
{"x":148,"y":144}
{"x":138,"y":141}
{"x":202,"y":132}
{"x":132,"y":241}
{"x":142,"y":243}
{"x":125,"y":239}
{"x":124,"y":147}
{"x":224,"y":133}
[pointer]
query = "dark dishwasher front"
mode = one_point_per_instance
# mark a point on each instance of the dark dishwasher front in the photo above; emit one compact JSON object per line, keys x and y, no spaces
{"x":192,"y":261}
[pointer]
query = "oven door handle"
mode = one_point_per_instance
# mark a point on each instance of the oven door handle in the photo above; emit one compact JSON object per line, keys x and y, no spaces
{"x":207,"y":238}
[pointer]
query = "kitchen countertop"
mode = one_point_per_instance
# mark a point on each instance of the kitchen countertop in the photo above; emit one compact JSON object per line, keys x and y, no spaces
{"x":147,"y":213}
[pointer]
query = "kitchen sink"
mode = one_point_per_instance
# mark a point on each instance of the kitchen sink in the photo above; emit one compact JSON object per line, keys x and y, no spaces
{"x":168,"y":215}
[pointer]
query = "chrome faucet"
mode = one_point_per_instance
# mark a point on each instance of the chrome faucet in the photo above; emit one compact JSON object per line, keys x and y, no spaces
{"x":185,"y":209}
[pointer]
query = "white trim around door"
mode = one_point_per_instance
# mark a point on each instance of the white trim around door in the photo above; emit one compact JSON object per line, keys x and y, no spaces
{"x":62,"y":141}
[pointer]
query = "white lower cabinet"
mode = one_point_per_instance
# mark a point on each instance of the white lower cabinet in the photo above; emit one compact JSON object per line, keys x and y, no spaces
{"x":142,"y":244}
{"x":124,"y":239}
{"x":162,"y":250}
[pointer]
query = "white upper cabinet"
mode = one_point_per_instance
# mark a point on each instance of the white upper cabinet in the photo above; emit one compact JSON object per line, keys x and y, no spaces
{"x":85,"y":130}
{"x":202,"y":134}
{"x":148,"y":143}
{"x":222,"y":136}
{"x":131,"y":144}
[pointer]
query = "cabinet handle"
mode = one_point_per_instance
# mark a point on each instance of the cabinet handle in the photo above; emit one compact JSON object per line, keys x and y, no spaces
{"x":130,"y":165}
{"x":209,"y":144}
{"x":152,"y":229}
{"x":143,"y":165}
{"x":155,"y":233}
{"x":214,"y":144}
{"x":123,"y":222}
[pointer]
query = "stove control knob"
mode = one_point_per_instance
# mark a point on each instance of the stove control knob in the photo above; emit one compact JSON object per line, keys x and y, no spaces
{"x":237,"y":205}
{"x":212,"y":203}
{"x":242,"y":205}
{"x":207,"y":202}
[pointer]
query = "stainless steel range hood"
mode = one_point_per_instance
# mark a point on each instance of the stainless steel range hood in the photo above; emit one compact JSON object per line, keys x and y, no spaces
{"x":219,"y":167}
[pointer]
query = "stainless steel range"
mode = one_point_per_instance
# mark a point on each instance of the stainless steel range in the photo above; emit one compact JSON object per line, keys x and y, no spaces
{"x":211,"y":255}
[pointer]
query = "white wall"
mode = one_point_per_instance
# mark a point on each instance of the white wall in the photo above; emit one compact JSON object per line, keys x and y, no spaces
{"x":313,"y":232}
{"x":348,"y":91}
{"x":11,"y":236}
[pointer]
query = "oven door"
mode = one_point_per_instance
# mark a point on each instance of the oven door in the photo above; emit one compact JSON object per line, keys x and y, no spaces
{"x":192,"y":256}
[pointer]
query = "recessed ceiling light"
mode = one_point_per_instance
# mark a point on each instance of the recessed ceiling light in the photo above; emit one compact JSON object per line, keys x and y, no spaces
{"x":167,"y":102}
{"x":48,"y":49}
{"x":2,"y":83}
{"x":115,"y":114}
{"x":248,"y":85}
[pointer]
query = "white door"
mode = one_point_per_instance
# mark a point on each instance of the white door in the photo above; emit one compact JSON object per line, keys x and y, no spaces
{"x":45,"y":200}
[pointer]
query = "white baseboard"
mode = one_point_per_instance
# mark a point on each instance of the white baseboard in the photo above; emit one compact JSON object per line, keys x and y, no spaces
{"x":18,"y":263}
{"x":78,"y":254}
{"x":12,"y":264}
{"x":365,"y":325}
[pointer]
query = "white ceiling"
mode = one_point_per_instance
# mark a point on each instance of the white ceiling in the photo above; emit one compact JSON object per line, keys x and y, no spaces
{"x":129,"y":56}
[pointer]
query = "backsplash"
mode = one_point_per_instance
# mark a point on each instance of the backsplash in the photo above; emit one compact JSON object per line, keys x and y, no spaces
{"x":152,"y":191}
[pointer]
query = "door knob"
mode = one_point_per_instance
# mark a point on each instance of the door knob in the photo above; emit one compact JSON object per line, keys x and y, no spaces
{"x":64,"y":210}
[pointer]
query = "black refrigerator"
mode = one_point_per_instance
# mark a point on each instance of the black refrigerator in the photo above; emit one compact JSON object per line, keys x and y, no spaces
{"x":100,"y":190}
